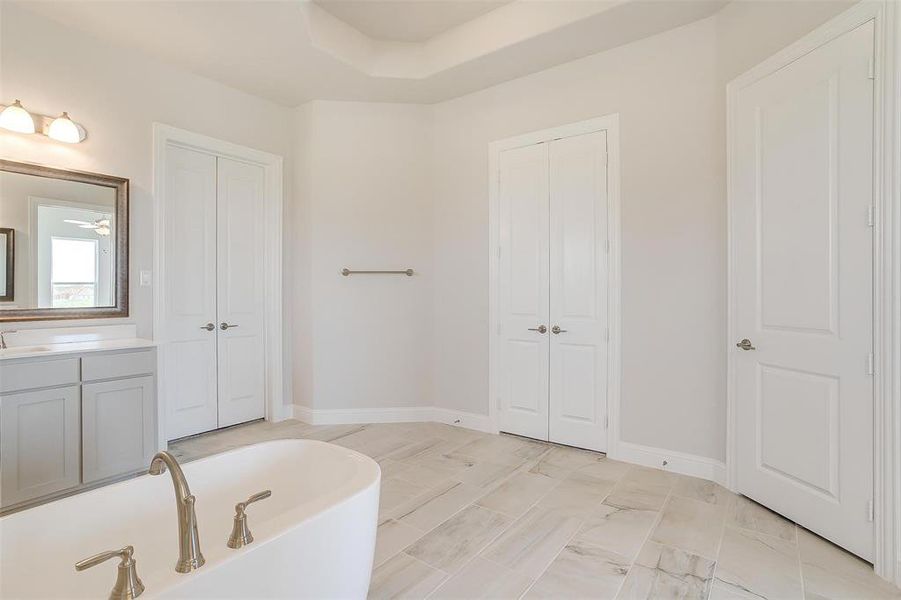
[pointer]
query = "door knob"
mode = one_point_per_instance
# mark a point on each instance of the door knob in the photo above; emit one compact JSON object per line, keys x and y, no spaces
{"x":745,"y":344}
{"x":539,"y":329}
{"x":556,"y":329}
{"x":223,"y":326}
{"x":208,"y":327}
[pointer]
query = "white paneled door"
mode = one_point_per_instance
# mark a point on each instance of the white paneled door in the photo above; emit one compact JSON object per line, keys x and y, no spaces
{"x":578,"y":291}
{"x":523,"y":303}
{"x":240,"y":292}
{"x":189,"y":311}
{"x":802,"y":242}
{"x":212,"y":313}
{"x":552,"y":290}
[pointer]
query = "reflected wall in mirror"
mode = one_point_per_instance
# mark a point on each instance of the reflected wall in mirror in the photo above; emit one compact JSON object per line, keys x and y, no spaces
{"x":66,"y":254}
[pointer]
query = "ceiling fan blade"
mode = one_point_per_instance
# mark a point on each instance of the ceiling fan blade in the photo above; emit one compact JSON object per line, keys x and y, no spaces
{"x":75,"y":222}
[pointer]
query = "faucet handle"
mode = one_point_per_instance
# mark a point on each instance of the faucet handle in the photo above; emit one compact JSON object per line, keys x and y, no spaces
{"x":241,"y":535}
{"x":128,"y":584}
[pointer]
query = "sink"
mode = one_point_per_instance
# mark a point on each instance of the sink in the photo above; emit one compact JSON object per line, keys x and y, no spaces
{"x":24,"y":350}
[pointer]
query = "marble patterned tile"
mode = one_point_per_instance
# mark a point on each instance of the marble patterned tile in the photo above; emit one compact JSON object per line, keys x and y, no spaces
{"x":702,"y":490}
{"x":481,"y":578}
{"x":486,"y":474}
{"x":726,"y":591}
{"x":396,"y":492}
{"x":764,"y":566}
{"x":606,"y":469}
{"x":516,"y":495}
{"x":423,"y":475}
{"x":578,"y":493}
{"x":392,"y":537}
{"x":641,"y":489}
{"x":501,"y":449}
{"x":532,"y":542}
{"x":832,"y":573}
{"x":620,"y":530}
{"x":438,"y":504}
{"x":404,"y":577}
{"x":744,"y":513}
{"x":665,"y":572}
{"x":689,"y":525}
{"x":391,"y":468}
{"x":450,"y":545}
{"x":420,"y":447}
{"x":582,"y":571}
{"x":374,"y":443}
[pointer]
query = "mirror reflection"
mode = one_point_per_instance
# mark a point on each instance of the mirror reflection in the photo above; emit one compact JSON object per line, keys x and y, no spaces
{"x":64,"y":250}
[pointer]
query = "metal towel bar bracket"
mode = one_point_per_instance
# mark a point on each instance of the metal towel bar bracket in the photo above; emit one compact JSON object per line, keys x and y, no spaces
{"x":408,"y":272}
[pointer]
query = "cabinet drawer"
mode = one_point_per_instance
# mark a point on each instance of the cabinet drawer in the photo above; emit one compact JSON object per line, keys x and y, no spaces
{"x":113,"y":366}
{"x":37,"y":374}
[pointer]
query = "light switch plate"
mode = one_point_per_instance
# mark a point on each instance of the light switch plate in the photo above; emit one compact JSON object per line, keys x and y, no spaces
{"x":146,"y":278}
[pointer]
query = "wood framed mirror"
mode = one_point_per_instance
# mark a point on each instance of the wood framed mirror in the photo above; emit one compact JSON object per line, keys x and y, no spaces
{"x":66,"y":244}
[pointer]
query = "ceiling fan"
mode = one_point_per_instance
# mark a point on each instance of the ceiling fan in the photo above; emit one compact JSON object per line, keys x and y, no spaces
{"x":100,"y":226}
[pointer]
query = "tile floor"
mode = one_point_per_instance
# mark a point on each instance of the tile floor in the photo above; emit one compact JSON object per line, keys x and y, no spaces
{"x":465,"y":514}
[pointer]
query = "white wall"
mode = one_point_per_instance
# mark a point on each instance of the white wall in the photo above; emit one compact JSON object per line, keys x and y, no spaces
{"x":117,"y":95}
{"x":383,"y":186}
{"x":366,"y":186}
{"x":664,"y":89}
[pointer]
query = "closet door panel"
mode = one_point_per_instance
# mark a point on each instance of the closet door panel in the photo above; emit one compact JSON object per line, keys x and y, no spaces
{"x":188,"y":241}
{"x":578,"y":291}
{"x":240,"y":292}
{"x":523,"y":291}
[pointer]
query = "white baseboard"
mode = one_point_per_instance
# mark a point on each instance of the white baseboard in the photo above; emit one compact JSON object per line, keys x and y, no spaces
{"x":669,"y":460}
{"x":648,"y":456}
{"x":463,"y":419}
{"x":413,"y":414}
{"x":346,"y":416}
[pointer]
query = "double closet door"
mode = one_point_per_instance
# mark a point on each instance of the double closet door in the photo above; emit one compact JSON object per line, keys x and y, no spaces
{"x":212,"y":308}
{"x":552,"y":291}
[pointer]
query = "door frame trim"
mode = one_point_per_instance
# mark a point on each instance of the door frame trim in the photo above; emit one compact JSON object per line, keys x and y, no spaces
{"x":886,"y":254}
{"x":609,"y":124}
{"x":166,"y":136}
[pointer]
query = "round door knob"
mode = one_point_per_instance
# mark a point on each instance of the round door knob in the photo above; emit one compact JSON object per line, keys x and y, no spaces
{"x":745,"y":344}
{"x":223,"y":326}
{"x":208,"y":327}
{"x":539,"y":329}
{"x":556,"y":329}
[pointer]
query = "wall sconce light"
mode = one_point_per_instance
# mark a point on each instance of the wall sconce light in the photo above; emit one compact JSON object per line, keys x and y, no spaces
{"x":15,"y":118}
{"x":62,"y":128}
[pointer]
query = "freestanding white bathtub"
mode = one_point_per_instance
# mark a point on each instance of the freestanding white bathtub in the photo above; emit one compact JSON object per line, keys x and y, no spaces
{"x":314,"y":538}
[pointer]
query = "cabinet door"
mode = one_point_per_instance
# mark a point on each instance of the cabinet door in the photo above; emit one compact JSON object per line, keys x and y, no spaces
{"x":39,"y":443}
{"x":118,"y":427}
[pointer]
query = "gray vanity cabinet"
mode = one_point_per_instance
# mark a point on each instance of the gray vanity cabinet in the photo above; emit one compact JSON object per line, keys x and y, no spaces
{"x":72,"y":422}
{"x":118,"y":435}
{"x":39,"y":443}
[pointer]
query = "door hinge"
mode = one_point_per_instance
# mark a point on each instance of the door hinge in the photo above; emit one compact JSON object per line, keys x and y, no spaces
{"x":871,"y":69}
{"x":871,"y":215}
{"x":871,"y":370}
{"x":871,"y":511}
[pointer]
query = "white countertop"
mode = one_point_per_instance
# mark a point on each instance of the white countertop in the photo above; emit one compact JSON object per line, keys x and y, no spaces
{"x":60,"y":349}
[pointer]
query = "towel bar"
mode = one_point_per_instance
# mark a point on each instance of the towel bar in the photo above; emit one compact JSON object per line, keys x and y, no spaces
{"x":408,"y":272}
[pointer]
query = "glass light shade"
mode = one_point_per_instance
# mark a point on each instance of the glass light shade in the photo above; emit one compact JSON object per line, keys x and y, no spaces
{"x":15,"y":118}
{"x":64,"y":129}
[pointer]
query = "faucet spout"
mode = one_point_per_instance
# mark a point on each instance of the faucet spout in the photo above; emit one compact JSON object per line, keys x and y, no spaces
{"x":189,"y":555}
